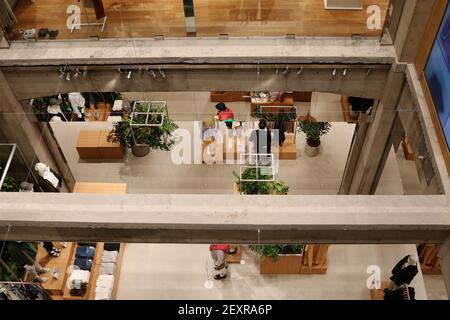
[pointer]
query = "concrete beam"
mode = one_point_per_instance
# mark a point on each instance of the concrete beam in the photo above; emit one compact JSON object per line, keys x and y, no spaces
{"x":205,"y":218}
{"x":27,"y":83}
{"x":195,"y":50}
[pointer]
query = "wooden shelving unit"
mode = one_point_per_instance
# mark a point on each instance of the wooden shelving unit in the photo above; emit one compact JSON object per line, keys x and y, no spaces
{"x":94,"y":274}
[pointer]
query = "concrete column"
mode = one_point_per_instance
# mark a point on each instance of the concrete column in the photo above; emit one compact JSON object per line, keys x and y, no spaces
{"x":16,"y":126}
{"x":444,"y":255}
{"x":411,"y":28}
{"x":370,"y":149}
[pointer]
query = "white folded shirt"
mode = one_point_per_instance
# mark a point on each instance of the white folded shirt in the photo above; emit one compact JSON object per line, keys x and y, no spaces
{"x":110,"y":256}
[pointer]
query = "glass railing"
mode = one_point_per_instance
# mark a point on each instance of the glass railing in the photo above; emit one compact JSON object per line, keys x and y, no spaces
{"x":102,"y":19}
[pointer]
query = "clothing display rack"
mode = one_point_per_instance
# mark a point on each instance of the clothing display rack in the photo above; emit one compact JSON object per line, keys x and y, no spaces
{"x":13,"y":164}
{"x":22,"y":291}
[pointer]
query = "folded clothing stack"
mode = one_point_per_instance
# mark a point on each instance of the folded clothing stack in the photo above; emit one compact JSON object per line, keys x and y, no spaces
{"x":84,"y":257}
{"x":105,"y":281}
{"x":78,"y":281}
{"x":104,"y":287}
{"x":108,"y":265}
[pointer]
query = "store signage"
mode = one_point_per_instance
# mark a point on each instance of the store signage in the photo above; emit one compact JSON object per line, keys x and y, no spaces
{"x":374,"y":280}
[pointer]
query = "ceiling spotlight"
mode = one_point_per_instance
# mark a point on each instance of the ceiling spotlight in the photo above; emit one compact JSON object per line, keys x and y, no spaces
{"x":62,"y":71}
{"x":161,"y":72}
{"x":77,"y":72}
{"x":334,"y":72}
{"x":285,"y":71}
{"x":344,"y":73}
{"x":140,"y":71}
{"x":129,"y":74}
{"x":277,"y":71}
{"x":120,"y":70}
{"x":369,"y":71}
{"x":153,"y":74}
{"x":85,"y":72}
{"x":68,"y":76}
{"x":299,"y":72}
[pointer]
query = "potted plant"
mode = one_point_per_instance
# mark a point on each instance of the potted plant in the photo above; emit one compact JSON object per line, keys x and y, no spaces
{"x":259,"y":187}
{"x":144,"y":130}
{"x":286,"y":114}
{"x":10,"y":185}
{"x":313,"y":130}
{"x":279,"y":258}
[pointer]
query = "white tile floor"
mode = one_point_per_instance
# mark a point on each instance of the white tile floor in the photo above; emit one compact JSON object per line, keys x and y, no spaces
{"x":177,"y":271}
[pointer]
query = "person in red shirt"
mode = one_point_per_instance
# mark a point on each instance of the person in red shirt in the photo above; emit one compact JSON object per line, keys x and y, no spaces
{"x":225,"y":114}
{"x":219,"y":254}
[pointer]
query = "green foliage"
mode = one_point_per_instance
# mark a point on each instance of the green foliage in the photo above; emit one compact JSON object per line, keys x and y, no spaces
{"x":274,"y":250}
{"x":157,"y":137}
{"x":313,"y":130}
{"x":284,"y":115}
{"x":10,"y":185}
{"x":259,"y":187}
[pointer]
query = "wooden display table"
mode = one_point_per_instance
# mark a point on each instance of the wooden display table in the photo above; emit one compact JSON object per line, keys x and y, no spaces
{"x":94,"y":145}
{"x":378,"y":294}
{"x":94,"y":187}
{"x":221,"y":151}
{"x":53,"y":286}
{"x":288,"y":101}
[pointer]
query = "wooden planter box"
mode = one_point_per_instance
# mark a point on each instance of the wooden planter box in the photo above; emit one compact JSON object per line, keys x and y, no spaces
{"x":286,"y":264}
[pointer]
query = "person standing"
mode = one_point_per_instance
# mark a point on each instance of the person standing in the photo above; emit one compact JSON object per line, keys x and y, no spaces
{"x":219,"y":254}
{"x":225,"y":114}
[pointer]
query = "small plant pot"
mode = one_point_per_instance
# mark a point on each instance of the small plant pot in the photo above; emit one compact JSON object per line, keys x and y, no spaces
{"x":140,"y":150}
{"x":311,"y":151}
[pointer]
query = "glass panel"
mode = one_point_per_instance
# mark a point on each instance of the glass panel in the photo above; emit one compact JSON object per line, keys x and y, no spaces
{"x":70,"y":19}
{"x":281,"y":17}
{"x":124,"y":19}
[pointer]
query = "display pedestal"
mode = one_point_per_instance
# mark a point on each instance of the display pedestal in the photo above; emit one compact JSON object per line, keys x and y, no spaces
{"x":288,"y":150}
{"x":235,"y":258}
{"x":94,"y":187}
{"x":378,"y":294}
{"x":94,"y":145}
